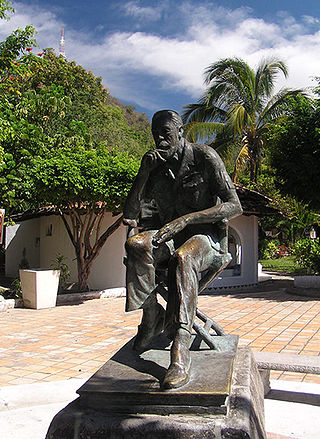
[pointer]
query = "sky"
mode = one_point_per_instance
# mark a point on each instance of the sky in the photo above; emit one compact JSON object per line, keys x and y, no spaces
{"x":152,"y":54}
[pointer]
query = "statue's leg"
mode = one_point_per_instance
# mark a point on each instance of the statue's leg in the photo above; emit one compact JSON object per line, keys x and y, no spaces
{"x":142,"y":259}
{"x":194,"y":256}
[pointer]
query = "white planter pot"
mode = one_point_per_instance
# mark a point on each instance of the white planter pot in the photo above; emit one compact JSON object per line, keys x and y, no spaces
{"x":39,"y":287}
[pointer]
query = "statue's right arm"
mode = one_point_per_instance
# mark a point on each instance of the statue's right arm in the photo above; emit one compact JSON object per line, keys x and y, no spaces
{"x":132,"y":204}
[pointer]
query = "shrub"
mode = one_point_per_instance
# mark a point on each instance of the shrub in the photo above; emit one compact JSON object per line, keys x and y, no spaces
{"x":15,"y":290}
{"x":307,"y":254}
{"x":271,"y":250}
{"x":60,"y":264}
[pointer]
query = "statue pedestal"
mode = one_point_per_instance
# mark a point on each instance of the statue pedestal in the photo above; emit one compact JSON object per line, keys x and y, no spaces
{"x":224,"y":398}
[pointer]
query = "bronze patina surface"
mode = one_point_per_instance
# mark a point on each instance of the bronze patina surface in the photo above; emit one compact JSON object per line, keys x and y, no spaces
{"x":181,"y":201}
{"x":132,"y":384}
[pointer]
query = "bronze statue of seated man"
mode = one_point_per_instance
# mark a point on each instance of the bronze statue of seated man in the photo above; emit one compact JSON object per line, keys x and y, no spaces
{"x":190,"y":193}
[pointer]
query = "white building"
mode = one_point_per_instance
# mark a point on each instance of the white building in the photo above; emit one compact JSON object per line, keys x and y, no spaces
{"x":38,"y":236}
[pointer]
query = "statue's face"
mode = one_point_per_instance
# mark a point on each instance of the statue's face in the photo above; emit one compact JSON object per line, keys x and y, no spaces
{"x":167,"y":137}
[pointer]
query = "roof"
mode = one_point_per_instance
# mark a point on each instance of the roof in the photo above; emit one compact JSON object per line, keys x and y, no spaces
{"x":253,"y":203}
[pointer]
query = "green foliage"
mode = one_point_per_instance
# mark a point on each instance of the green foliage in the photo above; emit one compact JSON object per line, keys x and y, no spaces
{"x":237,"y":108}
{"x":307,"y":254}
{"x":5,"y":8}
{"x":271,"y":249}
{"x":15,"y":291}
{"x":71,"y":174}
{"x":60,"y":264}
{"x":16,"y":43}
{"x":295,"y":151}
{"x":65,"y":141}
{"x":294,"y":218}
{"x":90,"y":108}
{"x":63,"y":138}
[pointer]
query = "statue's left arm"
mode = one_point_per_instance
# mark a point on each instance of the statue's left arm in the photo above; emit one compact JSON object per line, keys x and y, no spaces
{"x":222,"y":186}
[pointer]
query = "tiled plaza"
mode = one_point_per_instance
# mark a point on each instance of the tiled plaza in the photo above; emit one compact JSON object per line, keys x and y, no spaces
{"x":75,"y":340}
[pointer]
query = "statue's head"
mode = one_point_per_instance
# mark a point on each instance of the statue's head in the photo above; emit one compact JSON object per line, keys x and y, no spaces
{"x":167,"y":132}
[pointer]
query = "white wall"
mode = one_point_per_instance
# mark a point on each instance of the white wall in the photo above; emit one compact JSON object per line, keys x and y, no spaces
{"x":247,"y":229}
{"x":108,"y":270}
{"x":58,"y":242}
{"x":22,"y":235}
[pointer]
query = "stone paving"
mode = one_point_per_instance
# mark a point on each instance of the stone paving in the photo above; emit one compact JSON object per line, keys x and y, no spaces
{"x":75,"y":340}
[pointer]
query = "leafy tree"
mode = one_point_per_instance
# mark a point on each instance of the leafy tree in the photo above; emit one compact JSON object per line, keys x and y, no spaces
{"x":14,"y":61}
{"x":238,"y":107}
{"x":92,"y":109}
{"x":84,"y":184}
{"x":5,"y":8}
{"x":65,"y":142}
{"x":295,"y":151}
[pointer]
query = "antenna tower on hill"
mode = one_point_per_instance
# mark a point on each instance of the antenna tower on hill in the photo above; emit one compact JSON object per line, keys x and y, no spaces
{"x":61,"y":45}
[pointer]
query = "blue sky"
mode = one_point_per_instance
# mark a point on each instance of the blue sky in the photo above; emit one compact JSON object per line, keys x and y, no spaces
{"x":152,"y":54}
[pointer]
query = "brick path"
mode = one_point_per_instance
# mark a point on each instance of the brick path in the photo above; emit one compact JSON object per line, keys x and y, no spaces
{"x":75,"y":340}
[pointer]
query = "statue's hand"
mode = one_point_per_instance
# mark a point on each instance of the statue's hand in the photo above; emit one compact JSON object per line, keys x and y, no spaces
{"x":130,"y":222}
{"x":168,"y":231}
{"x":150,"y":161}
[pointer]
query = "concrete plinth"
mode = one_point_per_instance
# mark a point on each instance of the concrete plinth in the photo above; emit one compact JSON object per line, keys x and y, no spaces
{"x":234,"y":410}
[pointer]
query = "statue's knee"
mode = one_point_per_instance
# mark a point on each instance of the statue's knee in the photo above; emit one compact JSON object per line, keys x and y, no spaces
{"x":180,"y":258}
{"x":137,"y":243}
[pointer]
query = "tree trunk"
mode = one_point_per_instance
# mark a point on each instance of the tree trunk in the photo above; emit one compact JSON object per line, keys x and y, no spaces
{"x":84,"y":233}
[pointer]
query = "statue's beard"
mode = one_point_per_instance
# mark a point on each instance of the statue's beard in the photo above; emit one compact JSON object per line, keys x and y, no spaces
{"x":166,"y":151}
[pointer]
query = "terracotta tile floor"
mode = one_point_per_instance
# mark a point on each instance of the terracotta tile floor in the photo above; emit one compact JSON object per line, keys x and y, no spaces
{"x":75,"y":340}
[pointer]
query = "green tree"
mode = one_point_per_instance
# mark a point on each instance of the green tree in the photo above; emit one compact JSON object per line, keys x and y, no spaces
{"x":238,"y":107}
{"x":295,"y":151}
{"x":101,"y":117}
{"x":84,"y":185}
{"x":5,"y":8}
{"x":65,"y":142}
{"x":54,"y":102}
{"x":14,"y":64}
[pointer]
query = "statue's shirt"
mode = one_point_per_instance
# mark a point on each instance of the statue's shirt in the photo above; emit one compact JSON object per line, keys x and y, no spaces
{"x":199,"y":182}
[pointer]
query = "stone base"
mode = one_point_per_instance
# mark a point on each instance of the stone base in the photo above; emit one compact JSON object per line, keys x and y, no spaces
{"x":243,"y":416}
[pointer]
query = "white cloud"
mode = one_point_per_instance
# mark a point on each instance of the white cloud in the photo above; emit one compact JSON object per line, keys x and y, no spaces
{"x":205,"y":35}
{"x":310,"y":20}
{"x":133,"y":9}
{"x":45,"y":22}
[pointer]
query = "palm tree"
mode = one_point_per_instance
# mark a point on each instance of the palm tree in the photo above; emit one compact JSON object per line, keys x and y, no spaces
{"x":238,"y":107}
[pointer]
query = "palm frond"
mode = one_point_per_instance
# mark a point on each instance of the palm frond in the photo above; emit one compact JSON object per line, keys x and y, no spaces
{"x":276,"y":105}
{"x":233,"y":79}
{"x":237,"y":118}
{"x":242,"y":159}
{"x":202,"y":131}
{"x":200,"y":112}
{"x":266,"y":74}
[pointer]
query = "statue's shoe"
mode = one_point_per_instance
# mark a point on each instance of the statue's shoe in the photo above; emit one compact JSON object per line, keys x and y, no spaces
{"x":177,"y":375}
{"x":147,"y":332}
